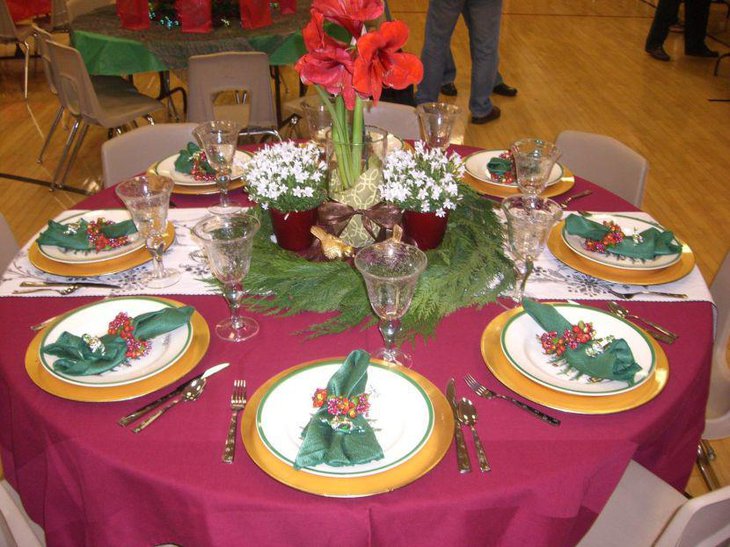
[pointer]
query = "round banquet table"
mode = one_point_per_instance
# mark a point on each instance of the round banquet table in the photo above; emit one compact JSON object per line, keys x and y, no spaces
{"x":88,"y":481}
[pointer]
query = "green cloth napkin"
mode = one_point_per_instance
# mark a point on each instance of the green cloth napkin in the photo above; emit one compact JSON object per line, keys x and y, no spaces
{"x":189,"y":158}
{"x":499,"y":166}
{"x":78,"y":359}
{"x":73,"y":236}
{"x":654,"y":242}
{"x":615,"y":363}
{"x":321,"y":443}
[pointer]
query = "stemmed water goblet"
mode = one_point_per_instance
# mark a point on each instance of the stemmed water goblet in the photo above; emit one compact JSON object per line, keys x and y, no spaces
{"x":529,"y":221}
{"x":219,"y":139}
{"x":147,"y":198}
{"x":391,"y":270}
{"x":437,"y":123}
{"x":534,"y":160}
{"x":228,"y":242}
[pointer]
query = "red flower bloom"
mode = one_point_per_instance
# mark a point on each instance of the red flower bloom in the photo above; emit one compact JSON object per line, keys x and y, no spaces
{"x":350,"y":14}
{"x":380,"y":63}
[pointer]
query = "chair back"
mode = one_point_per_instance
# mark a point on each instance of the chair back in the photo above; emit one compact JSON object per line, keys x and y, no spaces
{"x":133,"y":152}
{"x":73,"y":84}
{"x":605,"y":161}
{"x":8,"y":245}
{"x":215,"y":73}
{"x":717,"y":416}
{"x":7,"y":25}
{"x":59,"y":15}
{"x":703,"y":521}
{"x":42,"y":38}
{"x":398,"y":119}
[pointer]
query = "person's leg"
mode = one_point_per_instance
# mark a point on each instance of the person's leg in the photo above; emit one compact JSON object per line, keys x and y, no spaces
{"x":449,"y":69}
{"x":695,"y":28}
{"x":665,"y":15}
{"x":483,"y":19}
{"x":440,"y":22}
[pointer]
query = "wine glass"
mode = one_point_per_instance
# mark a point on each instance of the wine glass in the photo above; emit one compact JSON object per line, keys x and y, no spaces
{"x":318,"y":120}
{"x":228,"y":241}
{"x":219,"y":140}
{"x":534,"y":160}
{"x":147,"y":198}
{"x":437,"y":123}
{"x":529,"y":221}
{"x":391,"y":270}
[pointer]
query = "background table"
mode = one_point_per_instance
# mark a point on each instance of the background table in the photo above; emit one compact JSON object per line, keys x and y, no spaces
{"x":89,"y":481}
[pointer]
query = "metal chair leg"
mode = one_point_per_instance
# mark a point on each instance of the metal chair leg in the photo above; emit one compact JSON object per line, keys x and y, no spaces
{"x":66,"y":147}
{"x":59,"y":114}
{"x":74,"y":152}
{"x":26,"y":46}
{"x":703,"y":464}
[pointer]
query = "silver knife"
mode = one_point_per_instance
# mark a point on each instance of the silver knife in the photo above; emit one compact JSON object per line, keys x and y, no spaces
{"x":68,"y":283}
{"x":462,"y":456}
{"x":177,"y":391}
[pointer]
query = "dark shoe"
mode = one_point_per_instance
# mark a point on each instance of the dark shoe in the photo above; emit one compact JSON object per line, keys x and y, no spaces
{"x":504,"y":90}
{"x":493,"y":115}
{"x":449,"y":90}
{"x":704,"y":52}
{"x":658,"y":53}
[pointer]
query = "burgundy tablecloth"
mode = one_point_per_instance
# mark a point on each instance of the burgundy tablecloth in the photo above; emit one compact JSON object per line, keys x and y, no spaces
{"x":90,"y":482}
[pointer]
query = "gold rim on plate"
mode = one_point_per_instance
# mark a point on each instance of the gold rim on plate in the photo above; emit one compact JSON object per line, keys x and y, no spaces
{"x":203,"y":189}
{"x":74,"y":392}
{"x":565,"y":254}
{"x":395,"y":477}
{"x":111,"y":266}
{"x":506,"y":373}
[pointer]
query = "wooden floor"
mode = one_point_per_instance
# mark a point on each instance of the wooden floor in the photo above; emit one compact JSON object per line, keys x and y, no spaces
{"x":578,"y":64}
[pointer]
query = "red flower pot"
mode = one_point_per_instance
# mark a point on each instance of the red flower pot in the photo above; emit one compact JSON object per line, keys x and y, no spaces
{"x":292,"y":229}
{"x":425,"y":229}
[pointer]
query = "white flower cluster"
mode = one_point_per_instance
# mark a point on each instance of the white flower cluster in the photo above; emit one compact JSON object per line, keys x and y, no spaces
{"x":425,"y":180}
{"x":287,"y":176}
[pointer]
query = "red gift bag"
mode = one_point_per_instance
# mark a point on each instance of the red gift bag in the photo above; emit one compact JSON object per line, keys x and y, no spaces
{"x":134,"y":14}
{"x":255,"y":13}
{"x":287,"y":7}
{"x":194,"y":15}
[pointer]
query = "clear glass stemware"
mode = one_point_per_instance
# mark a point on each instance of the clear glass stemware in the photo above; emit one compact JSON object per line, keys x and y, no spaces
{"x":219,"y":140}
{"x":437,"y":123}
{"x":391,"y":270}
{"x":147,"y":198}
{"x":529,"y":221}
{"x":228,"y":242}
{"x":534,"y":160}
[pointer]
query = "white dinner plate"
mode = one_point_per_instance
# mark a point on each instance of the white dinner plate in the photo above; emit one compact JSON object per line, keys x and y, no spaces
{"x":93,"y":319}
{"x":521,"y":346}
{"x":401,"y":415}
{"x":628,"y":225}
{"x":166,"y":168}
{"x":476,"y":166}
{"x":70,"y":256}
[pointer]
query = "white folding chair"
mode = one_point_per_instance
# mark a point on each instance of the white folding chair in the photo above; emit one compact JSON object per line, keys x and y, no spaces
{"x":12,"y":33}
{"x":397,"y":119}
{"x":605,"y":161}
{"x":16,"y":527}
{"x":8,"y":245}
{"x":644,"y":510}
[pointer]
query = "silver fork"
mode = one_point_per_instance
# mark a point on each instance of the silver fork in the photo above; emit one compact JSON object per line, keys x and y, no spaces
{"x":484,"y":391}
{"x":630,"y":295}
{"x":238,"y":403}
{"x":66,"y":290}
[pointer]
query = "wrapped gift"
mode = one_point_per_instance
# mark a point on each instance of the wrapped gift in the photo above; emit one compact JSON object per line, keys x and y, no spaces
{"x":134,"y":14}
{"x":194,"y":15}
{"x":255,"y":13}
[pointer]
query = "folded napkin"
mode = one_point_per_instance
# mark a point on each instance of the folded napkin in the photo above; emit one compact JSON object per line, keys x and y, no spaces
{"x":190,"y":162}
{"x":651,"y":242}
{"x":499,"y":167}
{"x":74,"y":235}
{"x":615,"y":362}
{"x":355,"y":444}
{"x":87,"y":355}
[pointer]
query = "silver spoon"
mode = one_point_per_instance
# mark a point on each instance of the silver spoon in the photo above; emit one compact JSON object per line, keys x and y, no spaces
{"x":190,"y":393}
{"x":579,"y":195}
{"x":619,"y":310}
{"x":467,"y":414}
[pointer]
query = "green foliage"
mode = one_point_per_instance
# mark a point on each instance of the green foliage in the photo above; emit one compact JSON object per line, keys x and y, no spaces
{"x":468,"y":269}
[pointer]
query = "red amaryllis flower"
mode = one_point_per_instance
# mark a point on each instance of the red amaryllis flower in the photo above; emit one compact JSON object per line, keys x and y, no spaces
{"x":350,"y":14}
{"x":380,"y":63}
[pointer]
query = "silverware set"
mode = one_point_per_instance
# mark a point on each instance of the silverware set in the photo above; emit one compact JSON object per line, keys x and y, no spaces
{"x":655,"y":330}
{"x":465,"y":414}
{"x":61,"y":287}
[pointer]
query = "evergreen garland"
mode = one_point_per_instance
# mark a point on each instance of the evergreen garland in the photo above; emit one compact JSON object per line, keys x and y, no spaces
{"x":468,"y":269}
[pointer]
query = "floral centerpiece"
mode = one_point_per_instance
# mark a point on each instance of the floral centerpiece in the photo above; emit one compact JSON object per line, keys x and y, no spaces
{"x":290,"y":181}
{"x":425,"y":184}
{"x":344,"y":75}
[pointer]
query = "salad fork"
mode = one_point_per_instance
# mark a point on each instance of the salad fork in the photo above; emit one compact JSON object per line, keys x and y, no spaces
{"x":66,"y":290}
{"x":484,"y":391}
{"x":238,"y":403}
{"x":630,"y":295}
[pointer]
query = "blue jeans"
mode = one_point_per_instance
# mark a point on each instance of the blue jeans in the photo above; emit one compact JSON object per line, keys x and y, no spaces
{"x":483,"y":46}
{"x":450,"y":72}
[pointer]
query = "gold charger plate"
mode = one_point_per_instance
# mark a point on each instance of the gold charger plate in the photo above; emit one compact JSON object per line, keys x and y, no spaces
{"x":395,"y":477}
{"x":506,"y":373}
{"x":49,"y":383}
{"x":114,"y":265}
{"x":203,"y":190}
{"x":565,"y":254}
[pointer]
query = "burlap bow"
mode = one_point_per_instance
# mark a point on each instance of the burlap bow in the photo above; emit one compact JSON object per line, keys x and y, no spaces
{"x":334,"y":216}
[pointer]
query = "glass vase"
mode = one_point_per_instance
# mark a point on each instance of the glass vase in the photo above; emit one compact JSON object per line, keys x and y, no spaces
{"x":425,"y":229}
{"x":292,"y":229}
